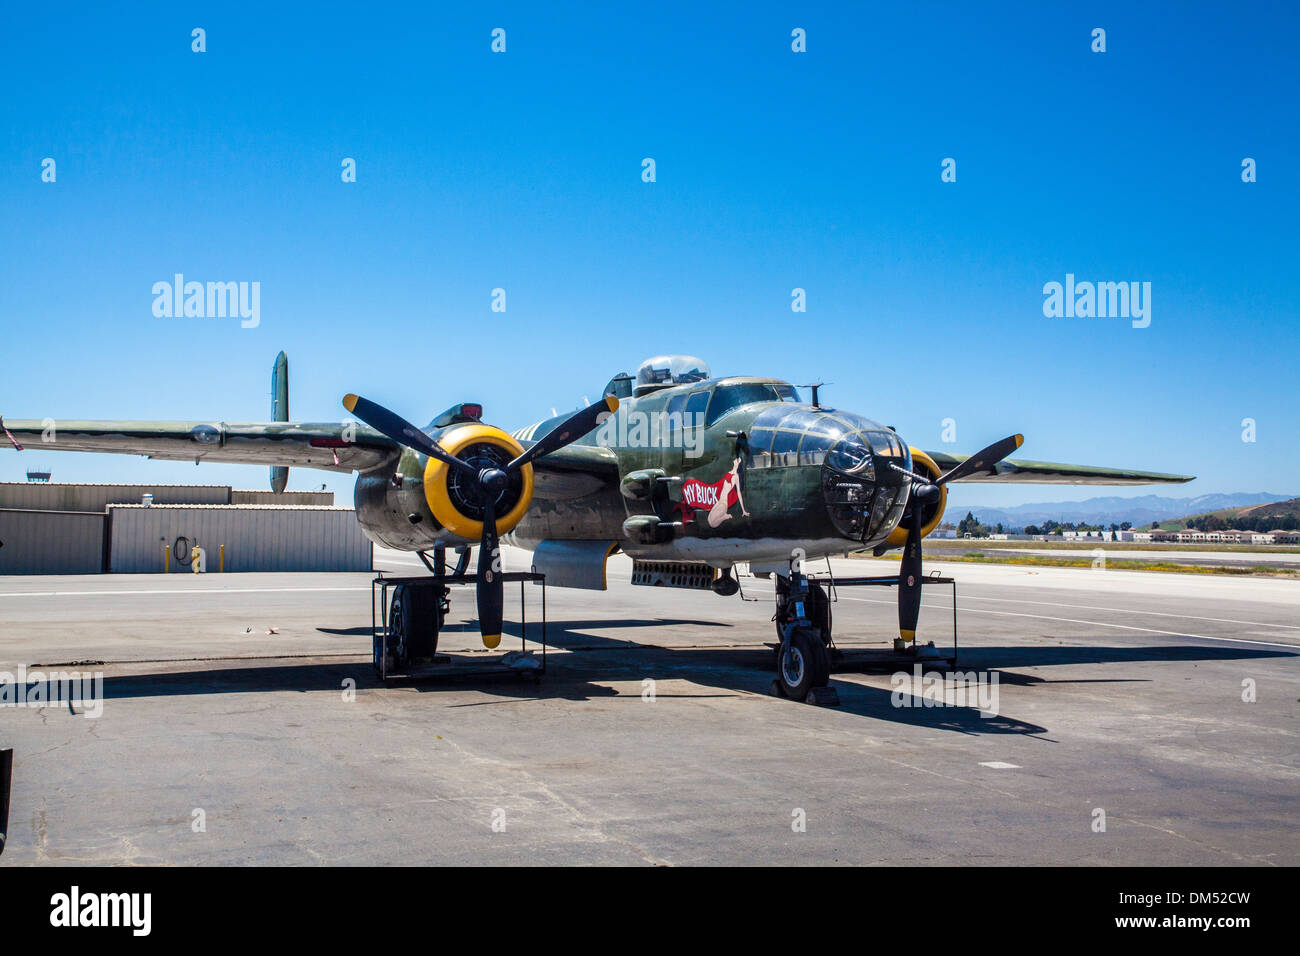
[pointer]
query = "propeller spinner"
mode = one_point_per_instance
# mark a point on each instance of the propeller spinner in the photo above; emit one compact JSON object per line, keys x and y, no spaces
{"x":490,"y":482}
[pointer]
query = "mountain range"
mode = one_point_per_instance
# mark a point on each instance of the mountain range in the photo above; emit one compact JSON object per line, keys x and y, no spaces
{"x":1111,"y":510}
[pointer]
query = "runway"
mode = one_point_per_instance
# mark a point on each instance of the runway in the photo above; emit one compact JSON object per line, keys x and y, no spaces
{"x":1119,"y":700}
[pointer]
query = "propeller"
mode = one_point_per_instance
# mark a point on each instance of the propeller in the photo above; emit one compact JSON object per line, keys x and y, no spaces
{"x":923,"y":490}
{"x":490,"y":482}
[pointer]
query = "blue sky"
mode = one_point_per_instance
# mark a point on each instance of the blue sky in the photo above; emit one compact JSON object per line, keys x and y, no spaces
{"x":775,"y":170}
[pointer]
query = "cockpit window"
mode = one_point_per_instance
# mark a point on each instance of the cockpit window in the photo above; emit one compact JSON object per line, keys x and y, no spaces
{"x":673,"y":418}
{"x":787,"y":393}
{"x":694,"y":412}
{"x":727,"y":397}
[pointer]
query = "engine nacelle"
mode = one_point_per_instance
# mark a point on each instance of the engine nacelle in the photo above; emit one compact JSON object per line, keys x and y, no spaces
{"x":453,"y":499}
{"x":931,"y":512}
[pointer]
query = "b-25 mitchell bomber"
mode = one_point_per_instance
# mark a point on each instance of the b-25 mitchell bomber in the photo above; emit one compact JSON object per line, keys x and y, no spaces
{"x":686,"y":473}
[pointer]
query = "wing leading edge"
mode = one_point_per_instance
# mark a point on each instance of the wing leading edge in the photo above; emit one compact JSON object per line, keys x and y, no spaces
{"x":1050,"y":472}
{"x":332,"y":446}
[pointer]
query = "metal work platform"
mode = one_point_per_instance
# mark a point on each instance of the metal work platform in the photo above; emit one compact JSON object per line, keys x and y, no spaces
{"x":434,"y":589}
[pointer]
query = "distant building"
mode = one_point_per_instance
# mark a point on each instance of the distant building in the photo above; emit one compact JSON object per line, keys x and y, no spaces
{"x":1250,"y":537}
{"x":1229,"y":536}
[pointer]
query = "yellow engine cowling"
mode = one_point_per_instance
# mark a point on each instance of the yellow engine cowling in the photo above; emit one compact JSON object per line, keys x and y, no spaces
{"x":448,"y":501}
{"x":932,"y":514}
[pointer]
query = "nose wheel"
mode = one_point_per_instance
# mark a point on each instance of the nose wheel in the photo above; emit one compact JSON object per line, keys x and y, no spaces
{"x":804,"y":664}
{"x":803,"y":656}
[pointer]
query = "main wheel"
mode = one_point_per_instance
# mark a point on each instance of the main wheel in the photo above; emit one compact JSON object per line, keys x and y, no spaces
{"x":414,"y":620}
{"x":804,"y":663}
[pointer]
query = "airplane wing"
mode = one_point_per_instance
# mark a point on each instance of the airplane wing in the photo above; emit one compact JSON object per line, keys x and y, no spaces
{"x":570,"y":472}
{"x":1055,"y":473}
{"x":333,"y":446}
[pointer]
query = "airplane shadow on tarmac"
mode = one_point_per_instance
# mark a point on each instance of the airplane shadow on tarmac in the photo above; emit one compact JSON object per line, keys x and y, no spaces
{"x":736,"y":669}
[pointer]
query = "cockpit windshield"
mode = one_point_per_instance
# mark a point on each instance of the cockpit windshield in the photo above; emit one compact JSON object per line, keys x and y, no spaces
{"x":728,"y":397}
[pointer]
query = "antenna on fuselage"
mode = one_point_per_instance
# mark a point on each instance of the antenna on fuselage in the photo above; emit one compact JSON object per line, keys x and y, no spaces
{"x":816,"y":401}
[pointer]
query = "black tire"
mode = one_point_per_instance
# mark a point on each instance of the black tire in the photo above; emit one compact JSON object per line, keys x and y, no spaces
{"x":414,"y":620}
{"x":804,"y":663}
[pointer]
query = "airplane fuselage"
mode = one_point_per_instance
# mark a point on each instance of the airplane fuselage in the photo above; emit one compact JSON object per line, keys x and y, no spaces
{"x":719,"y":471}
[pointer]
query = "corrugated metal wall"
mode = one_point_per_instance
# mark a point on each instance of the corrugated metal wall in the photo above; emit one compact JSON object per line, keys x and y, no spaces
{"x":257,"y":537}
{"x":40,"y":496}
{"x":51,"y":542}
{"x":318,"y":498}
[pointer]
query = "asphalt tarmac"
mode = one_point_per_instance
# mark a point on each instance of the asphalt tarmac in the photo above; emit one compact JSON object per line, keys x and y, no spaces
{"x":1140,"y":718}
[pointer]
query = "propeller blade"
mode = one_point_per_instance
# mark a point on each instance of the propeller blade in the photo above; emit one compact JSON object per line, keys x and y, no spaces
{"x":401,"y":431}
{"x":490,"y":590}
{"x":909,"y":579}
{"x":573,"y":429}
{"x":984,"y":458}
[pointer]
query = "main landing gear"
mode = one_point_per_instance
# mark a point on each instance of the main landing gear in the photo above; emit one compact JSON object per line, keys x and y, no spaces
{"x":803,"y":627}
{"x":415,"y":616}
{"x":408,"y":613}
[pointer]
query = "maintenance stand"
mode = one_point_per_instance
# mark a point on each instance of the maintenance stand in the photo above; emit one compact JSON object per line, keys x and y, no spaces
{"x":407,"y":615}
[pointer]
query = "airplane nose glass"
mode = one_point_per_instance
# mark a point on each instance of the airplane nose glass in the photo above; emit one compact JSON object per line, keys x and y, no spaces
{"x":851,"y":456}
{"x":863,"y":495}
{"x":887,"y":448}
{"x":848,"y":484}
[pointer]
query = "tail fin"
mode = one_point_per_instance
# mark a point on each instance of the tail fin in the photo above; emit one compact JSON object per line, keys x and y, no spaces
{"x":280,"y":413}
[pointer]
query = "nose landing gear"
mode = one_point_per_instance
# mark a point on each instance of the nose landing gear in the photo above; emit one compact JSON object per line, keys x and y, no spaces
{"x":803,"y":656}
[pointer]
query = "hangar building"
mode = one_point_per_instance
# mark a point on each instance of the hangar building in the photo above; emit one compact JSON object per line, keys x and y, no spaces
{"x":91,"y":528}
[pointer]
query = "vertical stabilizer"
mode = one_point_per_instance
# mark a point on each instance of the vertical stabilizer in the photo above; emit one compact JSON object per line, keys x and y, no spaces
{"x":280,"y":413}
